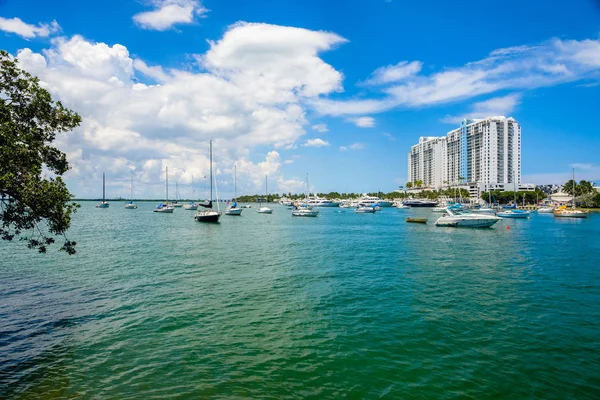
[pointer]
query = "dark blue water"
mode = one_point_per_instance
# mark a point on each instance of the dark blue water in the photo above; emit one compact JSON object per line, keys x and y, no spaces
{"x":271,"y":306}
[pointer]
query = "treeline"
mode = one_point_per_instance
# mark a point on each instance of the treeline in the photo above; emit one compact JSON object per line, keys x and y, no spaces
{"x":585,"y":194}
{"x":503,"y":198}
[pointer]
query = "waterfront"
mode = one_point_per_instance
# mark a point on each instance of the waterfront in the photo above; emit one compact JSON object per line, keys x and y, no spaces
{"x":343,"y":305}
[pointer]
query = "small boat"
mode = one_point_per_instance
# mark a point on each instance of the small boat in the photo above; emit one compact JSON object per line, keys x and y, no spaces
{"x":417,"y":220}
{"x":190,"y":206}
{"x":104,"y":203}
{"x":209,"y":215}
{"x":458,"y":218}
{"x":265,"y":210}
{"x":131,"y":205}
{"x":514,"y":213}
{"x":570,"y":213}
{"x":564,"y":212}
{"x":305,"y":210}
{"x":234,"y":209}
{"x":545,"y":210}
{"x":246,"y":206}
{"x":175,"y":203}
{"x":364,"y":209}
{"x":165,"y":208}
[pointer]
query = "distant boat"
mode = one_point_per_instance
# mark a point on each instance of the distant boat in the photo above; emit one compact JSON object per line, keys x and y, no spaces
{"x":421,"y":203}
{"x":131,"y":205}
{"x":545,"y":210}
{"x":104,"y":203}
{"x":513,"y":212}
{"x":234,"y":209}
{"x":305,"y":211}
{"x":417,"y":220}
{"x":365,"y":209}
{"x":208,"y":214}
{"x":175,"y":203}
{"x":564,"y":212}
{"x":265,"y":210}
{"x":165,"y":207}
{"x":192,"y":205}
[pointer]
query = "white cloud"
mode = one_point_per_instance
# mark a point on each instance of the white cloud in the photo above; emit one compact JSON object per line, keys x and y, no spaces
{"x":320,"y":128}
{"x":517,"y":68}
{"x":131,"y":126}
{"x":394,"y":73}
{"x":584,"y":166}
{"x":168,"y":13}
{"x":353,"y":146}
{"x":315,"y":143}
{"x":497,"y":106}
{"x":389,"y":136}
{"x":363,"y":122}
{"x":27,"y":31}
{"x":287,"y":162}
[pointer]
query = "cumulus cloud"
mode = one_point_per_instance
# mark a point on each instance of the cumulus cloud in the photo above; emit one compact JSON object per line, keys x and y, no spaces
{"x":28,"y":31}
{"x":320,"y":128}
{"x":315,"y":143}
{"x":363,"y":122}
{"x":130,"y":126}
{"x":168,"y":13}
{"x":516,"y":68}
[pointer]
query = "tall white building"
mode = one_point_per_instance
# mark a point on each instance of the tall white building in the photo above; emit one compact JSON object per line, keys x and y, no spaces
{"x":485,"y":153}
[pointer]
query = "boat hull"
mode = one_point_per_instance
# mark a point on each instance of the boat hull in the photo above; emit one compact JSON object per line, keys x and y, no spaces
{"x":304,"y":213}
{"x":130,"y":206}
{"x":102,"y":205}
{"x":366,"y":210}
{"x":264,"y":210}
{"x":207,"y":216}
{"x":570,"y":214}
{"x":190,"y":206}
{"x":233,"y":211}
{"x":164,"y":210}
{"x":466,"y":223}
{"x":523,"y":215}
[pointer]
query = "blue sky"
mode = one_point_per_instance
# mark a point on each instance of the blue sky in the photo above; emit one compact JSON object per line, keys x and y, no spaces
{"x":338,"y":90}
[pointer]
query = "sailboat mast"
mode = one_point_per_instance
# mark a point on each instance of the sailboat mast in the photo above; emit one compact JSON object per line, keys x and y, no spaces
{"x":211,"y":183}
{"x":235,"y":182}
{"x":573,"y":202}
{"x":132,"y":187}
{"x":167,"y":182}
{"x":266,"y":190}
{"x":103,"y":190}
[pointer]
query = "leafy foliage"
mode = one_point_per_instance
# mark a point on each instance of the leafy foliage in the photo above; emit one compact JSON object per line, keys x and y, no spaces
{"x":32,"y":207}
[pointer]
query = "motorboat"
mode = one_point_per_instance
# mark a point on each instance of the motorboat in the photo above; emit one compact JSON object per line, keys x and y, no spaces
{"x":321,"y":202}
{"x":364,"y":209}
{"x":305,"y":212}
{"x":421,"y":203}
{"x":513,"y":213}
{"x":399,"y":204}
{"x":545,"y":210}
{"x":459,"y":218}
{"x":370,"y":200}
{"x":284,"y":201}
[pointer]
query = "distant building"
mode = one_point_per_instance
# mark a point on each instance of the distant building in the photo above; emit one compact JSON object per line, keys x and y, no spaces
{"x":480,"y":155}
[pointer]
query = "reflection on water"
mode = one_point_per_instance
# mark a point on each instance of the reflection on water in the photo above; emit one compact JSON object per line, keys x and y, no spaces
{"x":345,"y":304}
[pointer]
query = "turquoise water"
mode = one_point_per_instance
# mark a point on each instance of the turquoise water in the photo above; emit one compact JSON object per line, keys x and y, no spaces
{"x":269,"y":306}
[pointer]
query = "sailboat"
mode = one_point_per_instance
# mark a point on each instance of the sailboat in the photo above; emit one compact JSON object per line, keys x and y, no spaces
{"x":104,"y":203}
{"x":233,"y":209}
{"x":208,"y":215}
{"x":514,"y":213}
{"x":165,"y":207}
{"x":564,"y":212}
{"x":305,"y":211}
{"x":265,"y":210}
{"x":192,"y":205}
{"x":131,"y":205}
{"x":175,"y":203}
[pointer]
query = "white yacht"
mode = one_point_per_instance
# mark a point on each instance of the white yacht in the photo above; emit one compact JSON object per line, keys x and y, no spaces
{"x":284,"y":201}
{"x":463,"y":219}
{"x":370,"y":200}
{"x":321,"y":202}
{"x":545,"y":210}
{"x":364,"y":209}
